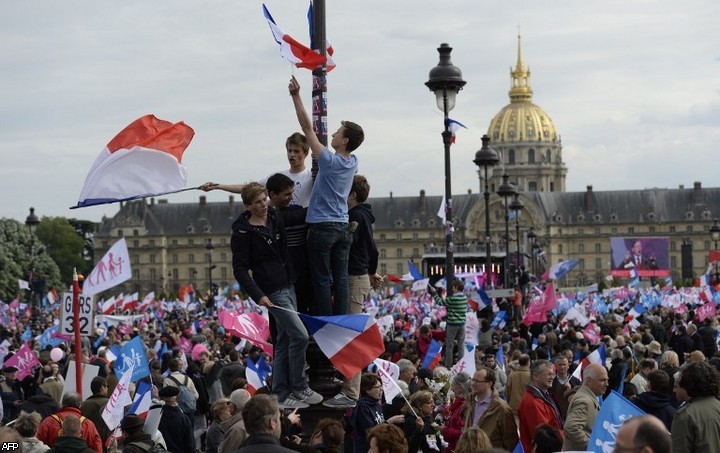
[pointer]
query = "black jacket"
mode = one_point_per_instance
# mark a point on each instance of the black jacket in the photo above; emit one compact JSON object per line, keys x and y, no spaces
{"x":177,"y":430}
{"x":263,"y":443}
{"x":366,"y":414}
{"x":70,"y":444}
{"x":43,"y":404}
{"x":263,"y":250}
{"x":657,"y":404}
{"x":363,"y":251}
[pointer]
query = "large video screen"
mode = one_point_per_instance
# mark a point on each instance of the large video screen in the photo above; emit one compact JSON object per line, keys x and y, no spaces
{"x":648,"y":256}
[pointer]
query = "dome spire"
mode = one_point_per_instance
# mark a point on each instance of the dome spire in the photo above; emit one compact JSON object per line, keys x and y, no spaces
{"x":520,"y":90}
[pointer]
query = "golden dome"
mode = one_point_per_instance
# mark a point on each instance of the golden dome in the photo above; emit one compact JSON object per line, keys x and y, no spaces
{"x":521,"y":120}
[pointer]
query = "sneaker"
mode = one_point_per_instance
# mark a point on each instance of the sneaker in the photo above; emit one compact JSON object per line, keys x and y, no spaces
{"x":308,"y":396}
{"x":291,"y":402}
{"x":340,"y":401}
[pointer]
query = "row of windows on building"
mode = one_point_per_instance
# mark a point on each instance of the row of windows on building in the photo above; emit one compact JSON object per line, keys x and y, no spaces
{"x":191,"y":275}
{"x":546,"y":158}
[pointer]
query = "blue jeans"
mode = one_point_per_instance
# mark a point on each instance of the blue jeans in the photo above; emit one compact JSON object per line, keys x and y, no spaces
{"x":328,"y":251}
{"x":289,"y":347}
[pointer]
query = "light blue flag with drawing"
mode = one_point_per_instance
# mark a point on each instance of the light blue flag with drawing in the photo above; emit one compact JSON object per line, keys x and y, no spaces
{"x":614,"y":411}
{"x":132,"y":355}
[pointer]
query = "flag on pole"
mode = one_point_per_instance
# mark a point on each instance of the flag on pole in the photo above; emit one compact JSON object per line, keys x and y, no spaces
{"x":52,"y":296}
{"x":453,"y":127}
{"x":433,"y":356}
{"x":559,"y":270}
{"x":613,"y":412}
{"x":23,"y":284}
{"x":111,"y":270}
{"x":351,"y":342}
{"x":466,"y":364}
{"x":389,"y":373}
{"x":143,"y":399}
{"x":24,"y":360}
{"x":413,"y":273}
{"x":330,"y":64}
{"x":142,"y":160}
{"x":597,"y":356}
{"x":292,"y":50}
{"x":113,"y":412}
{"x":132,"y":359}
{"x":256,"y":374}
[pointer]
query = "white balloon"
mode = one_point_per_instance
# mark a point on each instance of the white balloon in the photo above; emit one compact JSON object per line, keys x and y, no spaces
{"x":56,"y":354}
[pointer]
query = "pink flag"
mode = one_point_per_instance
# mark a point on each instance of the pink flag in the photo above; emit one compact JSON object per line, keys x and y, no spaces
{"x":591,"y":334}
{"x":704,"y":311}
{"x":24,"y":360}
{"x":143,"y":160}
{"x":250,"y":326}
{"x":185,"y":345}
{"x":540,"y":306}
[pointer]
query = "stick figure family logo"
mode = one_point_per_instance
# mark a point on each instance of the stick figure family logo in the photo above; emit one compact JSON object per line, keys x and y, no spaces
{"x":614,"y":411}
{"x":111,"y":270}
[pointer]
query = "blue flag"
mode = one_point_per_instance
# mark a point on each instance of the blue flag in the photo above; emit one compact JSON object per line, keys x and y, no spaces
{"x":132,"y":354}
{"x":27,"y":335}
{"x":500,"y":358}
{"x":614,"y":411}
{"x":414,"y":272}
{"x":621,"y":387}
{"x":518,"y":448}
{"x":484,"y":298}
{"x":499,"y":317}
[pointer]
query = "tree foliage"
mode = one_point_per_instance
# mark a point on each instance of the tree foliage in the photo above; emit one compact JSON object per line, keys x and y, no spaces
{"x":17,"y":261}
{"x":64,"y":245}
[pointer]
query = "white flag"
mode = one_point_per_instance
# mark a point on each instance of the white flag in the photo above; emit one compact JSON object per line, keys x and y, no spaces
{"x":466,"y":364}
{"x":389,"y":373}
{"x":111,"y":270}
{"x":113,"y":412}
{"x":441,"y":210}
{"x":23,"y":284}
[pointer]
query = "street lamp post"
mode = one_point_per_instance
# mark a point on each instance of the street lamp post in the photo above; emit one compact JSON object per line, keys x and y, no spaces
{"x":532,"y":236}
{"x":517,"y":206}
{"x":32,"y":221}
{"x":210,"y":303}
{"x":446,"y":81}
{"x":715,"y":234}
{"x":506,"y":190}
{"x":486,"y":158}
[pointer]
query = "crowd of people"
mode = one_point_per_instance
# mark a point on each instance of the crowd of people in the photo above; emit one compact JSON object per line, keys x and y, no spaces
{"x":304,"y":244}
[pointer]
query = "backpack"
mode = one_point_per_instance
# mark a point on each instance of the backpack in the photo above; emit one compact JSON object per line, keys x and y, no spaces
{"x":61,"y":431}
{"x":186,"y":399}
{"x":154,"y":448}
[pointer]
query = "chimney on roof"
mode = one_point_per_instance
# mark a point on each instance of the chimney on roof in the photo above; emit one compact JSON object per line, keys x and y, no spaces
{"x":697,"y":193}
{"x":163,"y":201}
{"x":423,"y":201}
{"x":681,"y":186}
{"x":231,"y":205}
{"x":589,"y":199}
{"x":391,"y":195}
{"x":203,"y":200}
{"x":152,"y":201}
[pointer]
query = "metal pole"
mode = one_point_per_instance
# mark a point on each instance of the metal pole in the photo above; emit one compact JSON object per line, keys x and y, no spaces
{"x":488,"y":264}
{"x":517,"y":237}
{"x":319,"y":89}
{"x":449,"y":246}
{"x":507,"y":245}
{"x":76,"y":329}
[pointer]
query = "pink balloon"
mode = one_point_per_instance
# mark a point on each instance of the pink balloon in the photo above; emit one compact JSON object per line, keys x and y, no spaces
{"x":56,"y":354}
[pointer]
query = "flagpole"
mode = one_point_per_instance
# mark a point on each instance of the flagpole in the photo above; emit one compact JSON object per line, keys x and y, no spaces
{"x":76,"y":329}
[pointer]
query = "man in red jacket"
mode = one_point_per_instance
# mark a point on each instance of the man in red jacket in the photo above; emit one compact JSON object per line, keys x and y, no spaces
{"x":50,"y":426}
{"x":537,"y":406}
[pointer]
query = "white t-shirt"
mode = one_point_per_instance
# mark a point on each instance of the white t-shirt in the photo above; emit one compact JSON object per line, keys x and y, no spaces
{"x":303,"y":185}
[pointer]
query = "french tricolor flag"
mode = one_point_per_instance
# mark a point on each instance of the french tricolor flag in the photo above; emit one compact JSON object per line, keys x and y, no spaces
{"x":142,"y":160}
{"x":256,"y":374}
{"x":433,"y":356}
{"x":143,"y":399}
{"x":290,"y":49}
{"x":597,"y":356}
{"x":351,"y":342}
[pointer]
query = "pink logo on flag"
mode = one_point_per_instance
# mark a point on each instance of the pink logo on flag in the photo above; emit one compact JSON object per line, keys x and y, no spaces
{"x":185,"y":345}
{"x":111,"y":270}
{"x":24,"y":360}
{"x":591,"y":334}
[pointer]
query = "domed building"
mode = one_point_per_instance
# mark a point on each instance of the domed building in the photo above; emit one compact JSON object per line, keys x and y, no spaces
{"x":168,"y":242}
{"x":526,"y":139}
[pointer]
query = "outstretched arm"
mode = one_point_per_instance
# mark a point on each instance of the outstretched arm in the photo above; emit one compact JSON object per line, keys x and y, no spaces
{"x":304,"y":119}
{"x":234,"y":188}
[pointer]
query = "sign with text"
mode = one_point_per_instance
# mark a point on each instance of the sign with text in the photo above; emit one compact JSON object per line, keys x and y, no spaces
{"x":86,"y":315}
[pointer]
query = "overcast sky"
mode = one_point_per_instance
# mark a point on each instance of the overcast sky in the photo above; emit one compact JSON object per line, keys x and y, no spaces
{"x":632,"y":87}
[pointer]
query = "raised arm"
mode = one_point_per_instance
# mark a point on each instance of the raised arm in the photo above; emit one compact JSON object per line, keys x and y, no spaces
{"x":304,"y":119}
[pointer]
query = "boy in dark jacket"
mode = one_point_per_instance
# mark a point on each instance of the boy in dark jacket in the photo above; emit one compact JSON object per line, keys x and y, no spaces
{"x":259,"y":244}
